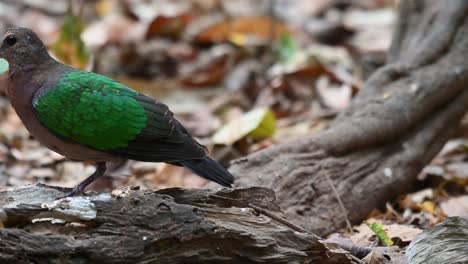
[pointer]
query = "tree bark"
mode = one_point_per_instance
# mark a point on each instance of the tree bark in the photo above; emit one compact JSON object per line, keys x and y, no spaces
{"x":397,"y":123}
{"x":166,"y":226}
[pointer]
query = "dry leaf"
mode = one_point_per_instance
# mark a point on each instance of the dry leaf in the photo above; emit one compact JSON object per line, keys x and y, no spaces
{"x":364,"y":236}
{"x":168,"y":26}
{"x":259,"y":27}
{"x":428,"y":206}
{"x":258,"y":123}
{"x":456,"y":206}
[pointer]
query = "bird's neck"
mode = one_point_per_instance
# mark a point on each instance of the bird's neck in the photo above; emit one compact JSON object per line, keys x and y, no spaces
{"x":25,"y":80}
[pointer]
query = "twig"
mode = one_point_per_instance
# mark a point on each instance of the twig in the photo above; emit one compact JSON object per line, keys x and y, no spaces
{"x":280,"y":219}
{"x":343,"y":208}
{"x":394,"y":212}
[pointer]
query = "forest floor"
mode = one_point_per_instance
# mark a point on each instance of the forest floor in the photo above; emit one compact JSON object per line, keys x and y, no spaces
{"x":240,"y":76}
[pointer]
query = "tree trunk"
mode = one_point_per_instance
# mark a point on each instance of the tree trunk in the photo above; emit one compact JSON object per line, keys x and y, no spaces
{"x":167,"y":226}
{"x":397,"y":123}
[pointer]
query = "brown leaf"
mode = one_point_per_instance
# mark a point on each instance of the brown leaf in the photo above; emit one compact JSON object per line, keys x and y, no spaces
{"x":211,"y":75}
{"x":209,"y":68}
{"x":260,"y":27}
{"x":405,"y":233}
{"x":168,"y":26}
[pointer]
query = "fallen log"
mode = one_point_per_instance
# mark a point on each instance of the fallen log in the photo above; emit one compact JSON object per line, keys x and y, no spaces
{"x":166,"y":226}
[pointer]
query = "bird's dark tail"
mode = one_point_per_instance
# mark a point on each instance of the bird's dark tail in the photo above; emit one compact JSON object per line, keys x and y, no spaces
{"x":209,"y":169}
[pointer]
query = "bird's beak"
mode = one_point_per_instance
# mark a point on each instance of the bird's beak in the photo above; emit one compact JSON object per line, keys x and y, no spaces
{"x":4,"y":66}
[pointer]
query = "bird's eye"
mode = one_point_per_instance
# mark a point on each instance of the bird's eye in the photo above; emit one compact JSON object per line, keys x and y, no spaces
{"x":10,"y":40}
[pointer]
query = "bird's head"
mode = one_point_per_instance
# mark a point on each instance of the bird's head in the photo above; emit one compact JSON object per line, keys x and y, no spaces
{"x":21,"y":46}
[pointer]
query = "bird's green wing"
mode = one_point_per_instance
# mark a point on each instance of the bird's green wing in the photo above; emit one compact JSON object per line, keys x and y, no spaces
{"x":92,"y":110}
{"x":100,"y":113}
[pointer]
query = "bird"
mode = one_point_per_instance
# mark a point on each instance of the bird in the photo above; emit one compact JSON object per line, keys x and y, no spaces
{"x":89,"y":117}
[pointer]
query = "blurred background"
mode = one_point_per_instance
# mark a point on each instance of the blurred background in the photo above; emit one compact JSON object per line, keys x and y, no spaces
{"x":240,"y":75}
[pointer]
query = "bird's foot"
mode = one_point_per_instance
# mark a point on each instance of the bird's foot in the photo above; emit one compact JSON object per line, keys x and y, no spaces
{"x":76,"y":191}
{"x":79,"y":189}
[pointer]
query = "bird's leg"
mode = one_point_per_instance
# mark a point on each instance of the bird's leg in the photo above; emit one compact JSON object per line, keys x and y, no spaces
{"x":79,"y":189}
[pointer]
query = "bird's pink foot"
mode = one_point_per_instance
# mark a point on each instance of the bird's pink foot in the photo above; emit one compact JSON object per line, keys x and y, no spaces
{"x":79,"y":189}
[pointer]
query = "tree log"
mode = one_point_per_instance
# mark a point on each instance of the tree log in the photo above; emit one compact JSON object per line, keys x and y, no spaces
{"x":166,"y":226}
{"x":397,"y":123}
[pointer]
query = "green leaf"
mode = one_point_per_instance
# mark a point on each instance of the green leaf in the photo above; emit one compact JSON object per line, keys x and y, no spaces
{"x":258,"y":123}
{"x":287,"y":48}
{"x":378,"y":229}
{"x":3,"y":65}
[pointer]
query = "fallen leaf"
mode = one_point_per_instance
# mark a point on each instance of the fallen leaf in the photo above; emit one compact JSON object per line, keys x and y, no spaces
{"x":241,"y":76}
{"x":168,"y":26}
{"x":104,"y":7}
{"x":420,"y":196}
{"x":208,"y":69}
{"x":336,"y":97}
{"x":210,"y":75}
{"x":113,"y":28}
{"x":364,"y":19}
{"x":456,"y":206}
{"x":428,"y":206}
{"x":299,"y":12}
{"x":405,"y":233}
{"x":260,"y":27}
{"x":374,"y":28}
{"x":458,"y":171}
{"x":384,"y":255}
{"x":258,"y":123}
